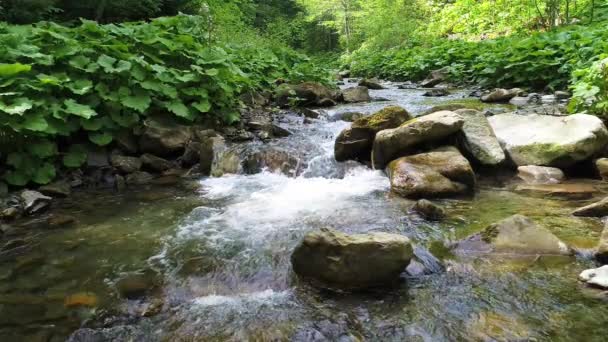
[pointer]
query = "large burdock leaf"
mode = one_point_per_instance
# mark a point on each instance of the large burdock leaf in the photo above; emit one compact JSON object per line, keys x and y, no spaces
{"x":100,"y":139}
{"x":18,"y":107}
{"x":138,"y":100}
{"x":76,"y":156}
{"x":178,"y":108}
{"x":44,"y":174}
{"x":13,"y":69}
{"x":77,"y":109}
{"x":36,"y":123}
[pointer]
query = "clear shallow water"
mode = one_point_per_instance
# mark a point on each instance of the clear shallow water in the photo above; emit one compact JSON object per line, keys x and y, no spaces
{"x":219,"y":259}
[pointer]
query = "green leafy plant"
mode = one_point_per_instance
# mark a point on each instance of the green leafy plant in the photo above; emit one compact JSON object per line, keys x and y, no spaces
{"x":59,"y":83}
{"x":590,"y":89}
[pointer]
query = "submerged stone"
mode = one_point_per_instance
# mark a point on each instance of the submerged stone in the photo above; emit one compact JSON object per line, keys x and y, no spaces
{"x":549,"y":140}
{"x":429,"y":210}
{"x":533,"y":174}
{"x":597,"y":209}
{"x":337,"y":260}
{"x":568,"y":190}
{"x":514,"y":235}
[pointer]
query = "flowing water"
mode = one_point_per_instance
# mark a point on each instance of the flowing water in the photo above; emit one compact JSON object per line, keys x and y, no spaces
{"x":215,"y":259}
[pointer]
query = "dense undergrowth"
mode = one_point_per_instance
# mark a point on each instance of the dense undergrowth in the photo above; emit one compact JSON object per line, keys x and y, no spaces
{"x":59,"y":84}
{"x":536,"y":61}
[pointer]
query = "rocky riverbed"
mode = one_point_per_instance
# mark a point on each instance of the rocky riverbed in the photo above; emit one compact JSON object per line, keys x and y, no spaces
{"x":209,"y":258}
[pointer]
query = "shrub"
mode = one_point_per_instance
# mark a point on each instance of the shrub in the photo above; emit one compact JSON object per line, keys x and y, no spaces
{"x":59,"y":83}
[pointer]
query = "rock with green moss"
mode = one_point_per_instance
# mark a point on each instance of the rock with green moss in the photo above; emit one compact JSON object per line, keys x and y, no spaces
{"x":394,"y":143}
{"x":333,"y":259}
{"x":441,"y":173}
{"x":355,"y":143}
{"x":517,"y":235}
{"x":550,"y":140}
{"x":479,"y":140}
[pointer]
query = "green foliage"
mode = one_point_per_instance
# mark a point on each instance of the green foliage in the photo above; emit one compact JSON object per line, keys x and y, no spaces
{"x":535,"y":61}
{"x":94,"y":80}
{"x":590,"y":89}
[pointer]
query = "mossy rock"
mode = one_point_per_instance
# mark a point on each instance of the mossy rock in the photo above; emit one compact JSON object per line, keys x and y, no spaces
{"x":389,"y":117}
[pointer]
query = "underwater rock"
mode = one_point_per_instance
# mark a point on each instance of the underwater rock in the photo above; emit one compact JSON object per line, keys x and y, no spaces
{"x":355,"y":143}
{"x":441,"y":173}
{"x":514,"y":235}
{"x":597,"y":277}
{"x":597,"y":209}
{"x":550,"y":140}
{"x":429,"y":210}
{"x":356,"y":94}
{"x":337,"y":260}
{"x":533,"y":174}
{"x":134,"y":285}
{"x":478,"y":138}
{"x":567,"y":190}
{"x":87,"y":299}
{"x":394,"y":143}
{"x":58,"y":221}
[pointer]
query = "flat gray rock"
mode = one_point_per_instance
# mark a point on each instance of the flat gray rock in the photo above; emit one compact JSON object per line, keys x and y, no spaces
{"x":550,"y":140}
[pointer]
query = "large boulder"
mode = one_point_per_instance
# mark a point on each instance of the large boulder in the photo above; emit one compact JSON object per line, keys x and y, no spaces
{"x":211,"y":151}
{"x":501,"y":95}
{"x":597,"y":209}
{"x":533,"y":174}
{"x":355,"y":143}
{"x":479,"y":140}
{"x":356,"y":94}
{"x":272,"y":159}
{"x":337,"y":260}
{"x":549,"y":140}
{"x":371,"y":83}
{"x":441,"y":173}
{"x":435,"y":77}
{"x":394,"y":143}
{"x":514,"y":235}
{"x":597,"y":277}
{"x":305,"y":94}
{"x":164,"y":138}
